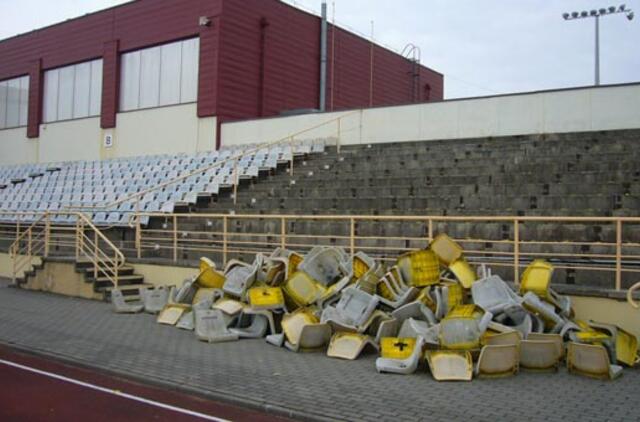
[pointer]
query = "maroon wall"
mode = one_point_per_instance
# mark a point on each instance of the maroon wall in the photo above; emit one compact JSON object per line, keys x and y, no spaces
{"x":279,"y":70}
{"x":131,"y":26}
{"x":267,"y":54}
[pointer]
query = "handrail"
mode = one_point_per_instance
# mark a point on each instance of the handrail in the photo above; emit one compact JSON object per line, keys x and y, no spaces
{"x":630,"y":292}
{"x":41,"y":245}
{"x":288,"y":138}
{"x":517,"y":250}
{"x":102,"y":260}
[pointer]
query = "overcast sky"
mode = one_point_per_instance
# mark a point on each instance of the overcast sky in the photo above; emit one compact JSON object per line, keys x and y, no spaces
{"x":482,"y":47}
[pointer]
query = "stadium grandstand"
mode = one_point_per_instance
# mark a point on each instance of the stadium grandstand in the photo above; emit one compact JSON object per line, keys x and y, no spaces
{"x":265,"y":155}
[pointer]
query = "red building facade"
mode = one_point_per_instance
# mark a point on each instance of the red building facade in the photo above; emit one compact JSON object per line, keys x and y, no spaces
{"x":257,"y":58}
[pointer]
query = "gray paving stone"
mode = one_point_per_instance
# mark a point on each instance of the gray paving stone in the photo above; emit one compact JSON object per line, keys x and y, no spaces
{"x":309,"y":384}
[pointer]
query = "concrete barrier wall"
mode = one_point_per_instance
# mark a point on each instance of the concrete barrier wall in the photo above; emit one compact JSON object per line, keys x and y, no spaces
{"x":571,"y":110}
{"x":175,"y":129}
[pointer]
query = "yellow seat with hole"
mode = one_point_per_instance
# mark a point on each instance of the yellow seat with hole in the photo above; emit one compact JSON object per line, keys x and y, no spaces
{"x":266,"y":298}
{"x":208,"y":276}
{"x":397,"y":348}
{"x":446,"y":249}
{"x":420,"y":268}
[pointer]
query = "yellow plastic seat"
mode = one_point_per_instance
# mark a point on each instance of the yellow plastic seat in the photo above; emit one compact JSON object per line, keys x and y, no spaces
{"x":293,"y":323}
{"x":303,"y":331}
{"x":513,"y":337}
{"x":591,"y":361}
{"x":556,"y":339}
{"x":208,"y":276}
{"x":396,"y":348}
{"x":450,"y":365}
{"x":266,"y":298}
{"x":420,"y":268}
{"x":446,"y":249}
{"x":498,"y":361}
{"x":539,"y":355}
{"x":229,"y":306}
{"x":463,"y":327}
{"x":361,"y":265}
{"x":463,"y":272}
{"x":626,"y":344}
{"x":536,"y":278}
{"x":172,"y":313}
{"x":348,"y":345}
{"x":303,"y":290}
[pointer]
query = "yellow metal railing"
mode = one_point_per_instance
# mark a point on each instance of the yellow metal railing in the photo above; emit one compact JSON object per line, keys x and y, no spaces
{"x":82,"y":239}
{"x":215,"y":233}
{"x":29,"y":245}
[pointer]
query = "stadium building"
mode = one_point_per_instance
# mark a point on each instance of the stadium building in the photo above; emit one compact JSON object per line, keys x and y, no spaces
{"x":183,"y":67}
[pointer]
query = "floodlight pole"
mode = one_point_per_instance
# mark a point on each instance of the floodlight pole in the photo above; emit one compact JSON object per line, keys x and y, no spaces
{"x":597,"y":14}
{"x":597,"y":19}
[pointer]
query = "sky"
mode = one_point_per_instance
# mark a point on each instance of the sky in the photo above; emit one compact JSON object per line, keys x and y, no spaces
{"x":482,"y":47}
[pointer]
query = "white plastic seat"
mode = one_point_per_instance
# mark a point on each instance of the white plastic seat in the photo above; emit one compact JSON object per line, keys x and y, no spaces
{"x":211,"y":326}
{"x":591,"y":361}
{"x":498,"y":361}
{"x":155,"y":299}
{"x":120,"y":306}
{"x":402,"y":366}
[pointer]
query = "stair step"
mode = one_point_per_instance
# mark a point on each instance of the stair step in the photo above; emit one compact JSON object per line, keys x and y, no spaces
{"x":123,"y":271}
{"x":103,"y":283}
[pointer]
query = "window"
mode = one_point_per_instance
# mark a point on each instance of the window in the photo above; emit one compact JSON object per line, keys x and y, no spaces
{"x":73,"y":92}
{"x":14,"y":102}
{"x":159,"y":76}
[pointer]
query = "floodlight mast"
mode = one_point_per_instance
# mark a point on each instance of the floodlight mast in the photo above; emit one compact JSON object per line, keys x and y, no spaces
{"x":597,"y":14}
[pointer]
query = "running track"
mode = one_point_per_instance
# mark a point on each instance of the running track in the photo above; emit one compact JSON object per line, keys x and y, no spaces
{"x":36,"y":389}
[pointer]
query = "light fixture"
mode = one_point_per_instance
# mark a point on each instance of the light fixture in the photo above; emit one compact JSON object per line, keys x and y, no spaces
{"x":597,"y":14}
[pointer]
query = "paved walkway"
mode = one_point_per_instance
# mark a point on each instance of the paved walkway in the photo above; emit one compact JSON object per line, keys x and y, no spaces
{"x":309,"y":386}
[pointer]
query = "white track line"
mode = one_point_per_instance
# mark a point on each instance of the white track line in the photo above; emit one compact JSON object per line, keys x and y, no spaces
{"x":114,"y":392}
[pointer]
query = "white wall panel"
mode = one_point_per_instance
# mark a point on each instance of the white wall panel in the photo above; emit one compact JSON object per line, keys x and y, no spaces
{"x":561,"y":111}
{"x":65,"y":93}
{"x":190,"y":64}
{"x":170,"y":68}
{"x":13,"y":103}
{"x":130,"y":81}
{"x":150,"y":77}
{"x":3,"y":104}
{"x":24,"y":100}
{"x":95,"y":93}
{"x":81,"y":90}
{"x":50,"y":103}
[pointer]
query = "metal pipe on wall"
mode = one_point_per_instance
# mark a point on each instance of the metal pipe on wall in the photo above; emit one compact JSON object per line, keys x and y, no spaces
{"x":323,"y":58}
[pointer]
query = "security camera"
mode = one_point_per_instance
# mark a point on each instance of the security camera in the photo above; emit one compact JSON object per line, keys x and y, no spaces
{"x":630,"y":16}
{"x":204,"y":21}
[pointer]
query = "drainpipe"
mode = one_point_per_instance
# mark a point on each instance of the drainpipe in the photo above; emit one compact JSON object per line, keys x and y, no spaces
{"x":323,"y":58}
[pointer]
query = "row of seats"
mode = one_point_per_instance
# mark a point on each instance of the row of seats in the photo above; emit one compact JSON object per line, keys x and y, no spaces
{"x":91,"y":184}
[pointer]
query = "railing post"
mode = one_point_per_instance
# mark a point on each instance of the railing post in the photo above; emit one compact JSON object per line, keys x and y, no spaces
{"x":115,"y":269}
{"x":95,"y":254}
{"x":224,"y":240}
{"x":47,"y":234}
{"x":352,"y":237}
{"x":516,"y":252}
{"x":430,"y":230}
{"x":618,"y":254}
{"x":29,"y":244}
{"x":236,"y":180}
{"x":138,"y":237}
{"x":283,"y":233}
{"x":175,"y":238}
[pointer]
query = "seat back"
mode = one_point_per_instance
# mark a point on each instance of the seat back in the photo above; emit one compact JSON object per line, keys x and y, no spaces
{"x":588,"y":360}
{"x":450,"y":365}
{"x":539,"y":355}
{"x":498,"y":361}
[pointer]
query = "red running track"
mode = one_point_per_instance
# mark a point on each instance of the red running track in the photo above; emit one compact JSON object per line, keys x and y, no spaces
{"x":37,"y":389}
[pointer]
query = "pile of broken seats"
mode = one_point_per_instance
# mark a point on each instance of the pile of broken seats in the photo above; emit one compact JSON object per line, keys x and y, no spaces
{"x":430,"y":305}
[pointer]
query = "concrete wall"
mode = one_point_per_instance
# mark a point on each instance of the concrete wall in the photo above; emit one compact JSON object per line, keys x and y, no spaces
{"x":162,"y":130}
{"x":572,"y":110}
